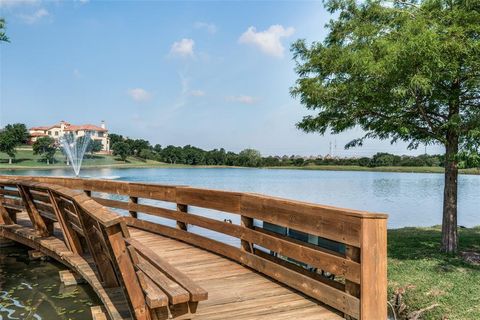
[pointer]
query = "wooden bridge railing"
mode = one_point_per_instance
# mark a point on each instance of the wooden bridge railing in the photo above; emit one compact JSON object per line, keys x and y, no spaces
{"x":97,"y":234}
{"x":357,"y":271}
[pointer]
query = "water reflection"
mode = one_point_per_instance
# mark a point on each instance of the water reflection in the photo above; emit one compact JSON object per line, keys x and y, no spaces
{"x":31,"y":290}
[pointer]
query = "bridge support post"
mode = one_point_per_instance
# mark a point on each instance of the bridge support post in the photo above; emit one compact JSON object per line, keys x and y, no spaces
{"x":39,"y":224}
{"x":133,"y":200}
{"x":373,"y":257}
{"x":352,"y":253}
{"x":182,"y":208}
{"x":247,"y":223}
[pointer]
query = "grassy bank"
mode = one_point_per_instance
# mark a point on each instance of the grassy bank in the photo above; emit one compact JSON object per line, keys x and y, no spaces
{"x":25,"y":159}
{"x":379,"y":169}
{"x":429,"y":277}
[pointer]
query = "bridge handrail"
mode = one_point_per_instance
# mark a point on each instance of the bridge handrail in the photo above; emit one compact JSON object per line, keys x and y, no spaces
{"x":359,"y":287}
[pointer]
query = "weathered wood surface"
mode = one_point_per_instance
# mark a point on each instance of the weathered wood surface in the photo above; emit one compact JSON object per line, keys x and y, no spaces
{"x":234,"y":291}
{"x":357,"y":290}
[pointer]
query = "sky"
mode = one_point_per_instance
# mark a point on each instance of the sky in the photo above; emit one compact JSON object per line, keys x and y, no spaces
{"x":206,"y":73}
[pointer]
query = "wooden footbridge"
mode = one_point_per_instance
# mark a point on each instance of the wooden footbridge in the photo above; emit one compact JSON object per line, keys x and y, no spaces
{"x":140,"y":248}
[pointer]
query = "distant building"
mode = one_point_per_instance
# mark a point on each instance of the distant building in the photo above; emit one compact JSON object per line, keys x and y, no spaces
{"x":57,"y":131}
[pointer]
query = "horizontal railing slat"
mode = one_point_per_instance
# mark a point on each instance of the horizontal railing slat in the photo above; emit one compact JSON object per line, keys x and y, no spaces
{"x":316,"y":257}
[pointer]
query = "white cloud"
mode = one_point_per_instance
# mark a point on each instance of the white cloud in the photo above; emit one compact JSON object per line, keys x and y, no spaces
{"x":16,"y":3}
{"x":268,"y":41}
{"x":242,"y":99}
{"x":197,"y":93}
{"x":183,"y":48}
{"x":139,"y":94}
{"x":210,"y":27}
{"x":35,"y":16}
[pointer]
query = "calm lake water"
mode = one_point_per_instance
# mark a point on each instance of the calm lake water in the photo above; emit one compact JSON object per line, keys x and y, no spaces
{"x":410,"y":199}
{"x":31,"y":290}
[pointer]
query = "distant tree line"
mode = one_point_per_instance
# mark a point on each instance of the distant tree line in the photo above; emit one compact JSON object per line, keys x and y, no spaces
{"x":14,"y":135}
{"x":191,"y":155}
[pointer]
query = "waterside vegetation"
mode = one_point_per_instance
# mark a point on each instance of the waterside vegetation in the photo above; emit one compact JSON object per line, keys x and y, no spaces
{"x":420,"y":277}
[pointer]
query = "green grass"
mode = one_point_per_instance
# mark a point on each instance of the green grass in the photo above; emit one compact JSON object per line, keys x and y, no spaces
{"x":25,"y":159}
{"x":430,"y":277}
{"x":377,"y":169}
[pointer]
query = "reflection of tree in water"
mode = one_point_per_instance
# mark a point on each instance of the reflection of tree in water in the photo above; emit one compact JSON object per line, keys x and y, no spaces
{"x":385,"y":188}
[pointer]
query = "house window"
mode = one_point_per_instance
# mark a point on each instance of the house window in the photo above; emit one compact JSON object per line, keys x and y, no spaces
{"x":100,"y":134}
{"x":56,"y":133}
{"x":49,"y":133}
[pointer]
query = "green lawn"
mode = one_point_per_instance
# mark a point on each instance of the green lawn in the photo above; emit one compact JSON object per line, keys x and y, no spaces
{"x":378,"y":169}
{"x":25,"y":159}
{"x":430,"y":277}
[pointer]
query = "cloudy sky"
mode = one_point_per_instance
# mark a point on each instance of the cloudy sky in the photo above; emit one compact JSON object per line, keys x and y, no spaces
{"x":206,"y":73}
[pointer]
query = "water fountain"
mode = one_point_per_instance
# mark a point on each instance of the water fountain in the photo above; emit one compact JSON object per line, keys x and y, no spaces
{"x":75,"y":148}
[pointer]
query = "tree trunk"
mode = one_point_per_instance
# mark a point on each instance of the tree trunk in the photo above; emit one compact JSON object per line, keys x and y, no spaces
{"x":9,"y":160}
{"x":449,"y":225}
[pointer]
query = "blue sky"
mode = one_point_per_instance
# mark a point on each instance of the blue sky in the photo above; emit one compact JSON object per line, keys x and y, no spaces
{"x":206,"y":73}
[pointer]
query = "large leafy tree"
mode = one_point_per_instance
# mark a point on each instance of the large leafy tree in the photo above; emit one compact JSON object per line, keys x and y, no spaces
{"x":122,"y":150}
{"x":12,"y":136}
{"x":404,"y":70}
{"x":46,"y":148}
{"x":249,"y":158}
{"x":8,"y":143}
{"x":19,"y":132}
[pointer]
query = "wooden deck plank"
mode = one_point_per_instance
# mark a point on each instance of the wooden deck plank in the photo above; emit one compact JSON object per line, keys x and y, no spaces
{"x":235,"y":292}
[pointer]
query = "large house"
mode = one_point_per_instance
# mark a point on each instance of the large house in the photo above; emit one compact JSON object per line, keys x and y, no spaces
{"x":57,"y":131}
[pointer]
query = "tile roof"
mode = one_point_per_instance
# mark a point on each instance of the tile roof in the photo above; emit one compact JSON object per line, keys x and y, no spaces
{"x":40,"y":128}
{"x":70,"y":127}
{"x":90,"y":127}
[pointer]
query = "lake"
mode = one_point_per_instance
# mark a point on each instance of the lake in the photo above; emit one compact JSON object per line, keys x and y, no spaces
{"x":31,"y":290}
{"x":410,"y":199}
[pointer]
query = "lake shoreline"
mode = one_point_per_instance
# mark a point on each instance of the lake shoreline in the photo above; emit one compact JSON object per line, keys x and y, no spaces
{"x":438,"y":170}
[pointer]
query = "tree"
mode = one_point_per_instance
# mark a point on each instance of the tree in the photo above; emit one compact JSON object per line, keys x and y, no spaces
{"x":121,"y":149}
{"x":19,"y":132}
{"x":45,"y":146}
{"x":8,"y":143}
{"x":407,"y":71}
{"x":157,"y":148}
{"x":12,"y":136}
{"x":95,"y":146}
{"x":114,"y":138}
{"x":3,"y":36}
{"x":172,"y":154}
{"x":249,"y":158}
{"x":136,"y":145}
{"x":146,"y":154}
